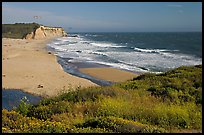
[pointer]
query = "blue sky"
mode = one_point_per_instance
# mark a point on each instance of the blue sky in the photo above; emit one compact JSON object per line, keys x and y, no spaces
{"x":108,"y":16}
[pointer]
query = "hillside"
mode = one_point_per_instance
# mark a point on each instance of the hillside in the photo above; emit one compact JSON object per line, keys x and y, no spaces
{"x":150,"y":103}
{"x":31,"y":31}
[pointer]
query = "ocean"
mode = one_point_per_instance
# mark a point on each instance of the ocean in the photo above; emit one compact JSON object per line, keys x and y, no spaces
{"x":136,"y":52}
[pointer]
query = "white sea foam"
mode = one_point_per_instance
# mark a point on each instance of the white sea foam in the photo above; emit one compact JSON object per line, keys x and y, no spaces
{"x":106,"y":45}
{"x":92,"y":35}
{"x":98,"y":53}
{"x":153,"y":50}
{"x":145,"y":59}
{"x":121,"y":66}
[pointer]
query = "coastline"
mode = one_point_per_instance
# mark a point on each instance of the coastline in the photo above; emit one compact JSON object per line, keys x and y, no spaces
{"x":27,"y":65}
{"x":103,"y":75}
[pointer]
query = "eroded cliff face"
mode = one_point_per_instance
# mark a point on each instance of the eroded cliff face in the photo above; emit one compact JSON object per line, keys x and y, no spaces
{"x":46,"y":32}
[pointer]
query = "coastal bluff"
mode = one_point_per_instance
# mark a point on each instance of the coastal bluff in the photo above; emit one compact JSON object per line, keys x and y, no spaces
{"x":31,"y":31}
{"x":46,"y":32}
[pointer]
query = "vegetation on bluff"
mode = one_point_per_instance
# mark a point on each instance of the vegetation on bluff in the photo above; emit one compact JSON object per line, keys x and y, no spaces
{"x":18,"y":30}
{"x":150,"y":103}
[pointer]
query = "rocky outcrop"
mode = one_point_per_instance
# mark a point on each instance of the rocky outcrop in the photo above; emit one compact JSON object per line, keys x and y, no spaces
{"x":46,"y":32}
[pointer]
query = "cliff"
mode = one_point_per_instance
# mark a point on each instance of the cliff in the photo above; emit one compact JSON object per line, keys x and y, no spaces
{"x":46,"y":32}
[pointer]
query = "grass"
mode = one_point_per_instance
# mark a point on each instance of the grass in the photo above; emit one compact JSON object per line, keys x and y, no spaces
{"x":170,"y":102}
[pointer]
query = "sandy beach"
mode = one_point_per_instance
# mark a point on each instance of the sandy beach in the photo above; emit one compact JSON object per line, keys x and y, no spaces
{"x":109,"y":74}
{"x":27,"y":65}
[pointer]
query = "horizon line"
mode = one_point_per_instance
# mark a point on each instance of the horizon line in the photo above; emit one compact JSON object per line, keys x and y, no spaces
{"x":130,"y":31}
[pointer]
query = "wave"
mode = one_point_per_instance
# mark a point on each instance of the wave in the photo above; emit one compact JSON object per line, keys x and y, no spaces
{"x":98,"y":53}
{"x":154,"y":61}
{"x":85,"y":42}
{"x":153,"y":50}
{"x":92,"y":35}
{"x":168,"y":53}
{"x":121,"y":66}
{"x":106,"y":45}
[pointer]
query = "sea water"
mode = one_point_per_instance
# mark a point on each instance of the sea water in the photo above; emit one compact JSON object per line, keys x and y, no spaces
{"x":137,"y":52}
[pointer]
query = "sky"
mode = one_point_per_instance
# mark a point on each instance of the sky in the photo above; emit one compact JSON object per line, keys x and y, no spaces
{"x":108,"y":16}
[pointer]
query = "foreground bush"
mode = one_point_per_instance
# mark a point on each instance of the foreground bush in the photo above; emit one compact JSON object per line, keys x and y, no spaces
{"x":168,"y":102}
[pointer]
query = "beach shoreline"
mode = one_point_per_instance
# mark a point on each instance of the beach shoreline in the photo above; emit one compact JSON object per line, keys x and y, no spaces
{"x":27,"y":65}
{"x":101,"y":74}
{"x":38,"y":72}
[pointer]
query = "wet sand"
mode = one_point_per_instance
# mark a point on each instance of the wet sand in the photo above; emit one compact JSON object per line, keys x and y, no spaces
{"x":109,"y":74}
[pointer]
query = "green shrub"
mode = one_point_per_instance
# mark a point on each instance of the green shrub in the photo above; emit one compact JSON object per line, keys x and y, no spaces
{"x":89,"y":130}
{"x":120,"y":125}
{"x":168,"y":102}
{"x":92,"y":93}
{"x":18,"y":30}
{"x":153,"y":129}
{"x":24,"y":106}
{"x":45,"y":112}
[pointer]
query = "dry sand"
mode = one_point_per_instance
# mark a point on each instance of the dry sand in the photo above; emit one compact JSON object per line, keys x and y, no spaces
{"x":109,"y":74}
{"x":26,"y":65}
